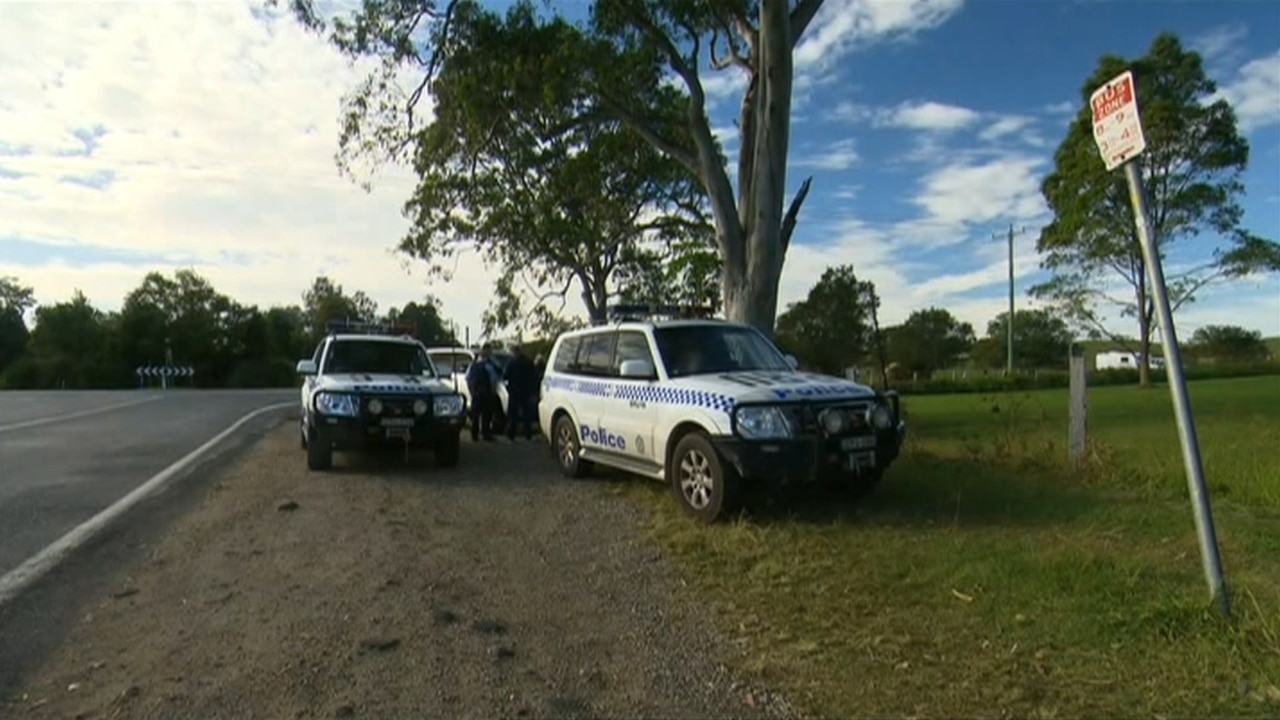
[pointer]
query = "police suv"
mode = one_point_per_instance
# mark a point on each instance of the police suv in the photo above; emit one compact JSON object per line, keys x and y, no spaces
{"x":367,"y":386}
{"x":706,"y":406}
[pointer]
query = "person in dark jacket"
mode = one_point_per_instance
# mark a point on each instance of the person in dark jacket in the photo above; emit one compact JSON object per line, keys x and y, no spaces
{"x":522,"y":392}
{"x":484,"y":394}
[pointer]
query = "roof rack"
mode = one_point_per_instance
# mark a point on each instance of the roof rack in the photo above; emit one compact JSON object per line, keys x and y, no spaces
{"x":355,"y":327}
{"x":642,"y":311}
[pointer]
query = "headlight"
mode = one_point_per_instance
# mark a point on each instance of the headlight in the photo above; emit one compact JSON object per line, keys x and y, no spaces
{"x":375,"y":406}
{"x":760,"y":423}
{"x":834,"y":421}
{"x":335,"y":404}
{"x":419,"y":407}
{"x":448,"y":405}
{"x":880,"y":417}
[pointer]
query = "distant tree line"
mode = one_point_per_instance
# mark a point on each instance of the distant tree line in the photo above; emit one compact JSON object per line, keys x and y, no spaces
{"x":73,"y":344}
{"x":835,"y":328}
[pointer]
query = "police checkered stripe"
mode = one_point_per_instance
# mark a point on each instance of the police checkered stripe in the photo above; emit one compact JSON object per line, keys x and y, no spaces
{"x":409,"y":389}
{"x":645,"y":393}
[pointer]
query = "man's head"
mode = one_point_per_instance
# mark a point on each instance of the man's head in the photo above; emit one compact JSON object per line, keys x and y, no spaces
{"x":516,"y":351}
{"x":486,"y":352}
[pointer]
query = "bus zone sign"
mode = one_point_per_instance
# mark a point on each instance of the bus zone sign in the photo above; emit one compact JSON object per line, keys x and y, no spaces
{"x":1117,"y":127}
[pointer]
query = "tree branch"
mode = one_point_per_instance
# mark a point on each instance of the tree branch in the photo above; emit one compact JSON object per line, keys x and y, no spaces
{"x":793,"y":213}
{"x":801,"y":16}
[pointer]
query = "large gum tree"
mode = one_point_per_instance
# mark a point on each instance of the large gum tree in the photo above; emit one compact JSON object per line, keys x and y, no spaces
{"x":628,"y":48}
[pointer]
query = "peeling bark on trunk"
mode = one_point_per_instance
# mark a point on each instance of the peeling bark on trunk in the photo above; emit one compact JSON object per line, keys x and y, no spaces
{"x":767,"y":114}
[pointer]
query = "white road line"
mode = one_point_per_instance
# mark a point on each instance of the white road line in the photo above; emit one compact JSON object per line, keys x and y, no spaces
{"x":21,"y":577}
{"x":76,"y":415}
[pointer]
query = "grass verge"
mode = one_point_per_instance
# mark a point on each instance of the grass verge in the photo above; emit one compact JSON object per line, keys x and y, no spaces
{"x":986,"y":578}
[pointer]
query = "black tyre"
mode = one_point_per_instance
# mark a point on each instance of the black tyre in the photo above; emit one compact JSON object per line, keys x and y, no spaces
{"x":707,"y":488}
{"x":319,"y":452}
{"x":448,"y":450}
{"x":565,"y":445}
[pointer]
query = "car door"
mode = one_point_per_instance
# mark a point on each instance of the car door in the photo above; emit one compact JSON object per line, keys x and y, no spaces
{"x":593,"y":370}
{"x":631,"y":412}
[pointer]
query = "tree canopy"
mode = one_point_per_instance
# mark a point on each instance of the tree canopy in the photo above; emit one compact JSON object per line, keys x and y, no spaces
{"x":617,"y":72}
{"x":1191,"y":170}
{"x":76,"y":345}
{"x":832,"y":328}
{"x":1041,"y":341}
{"x":507,"y":167}
{"x":1227,"y":344}
{"x":929,"y":340}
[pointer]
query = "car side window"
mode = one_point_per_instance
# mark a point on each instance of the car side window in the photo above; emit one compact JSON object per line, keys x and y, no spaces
{"x":596,"y":356}
{"x":567,"y":356}
{"x":632,"y":345}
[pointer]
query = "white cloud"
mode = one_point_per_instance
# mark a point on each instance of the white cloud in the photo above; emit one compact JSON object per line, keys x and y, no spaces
{"x":840,"y":155}
{"x":929,"y":116}
{"x":1254,"y":92}
{"x":967,"y":192}
{"x":1220,"y":44}
{"x":839,"y":28}
{"x":843,"y":25}
{"x":220,"y":130}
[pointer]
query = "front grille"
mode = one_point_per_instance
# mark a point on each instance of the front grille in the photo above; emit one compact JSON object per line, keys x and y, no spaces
{"x":392,"y":406}
{"x":808,"y":418}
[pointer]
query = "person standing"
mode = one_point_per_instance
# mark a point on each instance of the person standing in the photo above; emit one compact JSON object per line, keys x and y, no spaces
{"x":482,"y":384}
{"x":522,"y":392}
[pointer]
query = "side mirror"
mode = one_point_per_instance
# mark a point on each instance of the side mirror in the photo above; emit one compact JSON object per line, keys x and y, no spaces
{"x":792,"y":362}
{"x":636,"y":369}
{"x":306,"y":367}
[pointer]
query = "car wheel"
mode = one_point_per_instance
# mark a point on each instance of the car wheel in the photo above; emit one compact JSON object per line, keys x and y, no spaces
{"x":706,"y":487}
{"x":448,"y":450}
{"x":565,"y":445}
{"x":319,"y":452}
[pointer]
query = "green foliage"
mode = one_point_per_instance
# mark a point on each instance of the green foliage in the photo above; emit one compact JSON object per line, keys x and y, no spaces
{"x":929,"y":340}
{"x":610,"y":74}
{"x":508,"y":168}
{"x":184,"y":320}
{"x":1041,"y":340}
{"x":1191,"y":171}
{"x":831,"y":329}
{"x":968,"y":381}
{"x":1228,"y":344}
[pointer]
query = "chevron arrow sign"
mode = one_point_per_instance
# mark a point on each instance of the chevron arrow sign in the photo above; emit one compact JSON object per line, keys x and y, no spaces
{"x":164,"y":371}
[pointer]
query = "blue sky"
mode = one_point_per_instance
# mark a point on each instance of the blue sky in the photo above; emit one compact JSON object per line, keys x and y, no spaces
{"x":927,"y":125}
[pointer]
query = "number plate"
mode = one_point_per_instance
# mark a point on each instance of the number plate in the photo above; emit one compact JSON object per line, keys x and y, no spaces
{"x":858,"y":443}
{"x":397,"y":422}
{"x":859,"y":460}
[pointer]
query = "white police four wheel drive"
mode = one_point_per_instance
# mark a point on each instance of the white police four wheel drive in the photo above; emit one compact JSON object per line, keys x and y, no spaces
{"x":706,"y":406}
{"x":365,"y":387}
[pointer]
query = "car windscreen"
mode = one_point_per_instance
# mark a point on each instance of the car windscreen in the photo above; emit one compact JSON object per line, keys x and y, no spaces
{"x":372,"y":356}
{"x":704,"y":349}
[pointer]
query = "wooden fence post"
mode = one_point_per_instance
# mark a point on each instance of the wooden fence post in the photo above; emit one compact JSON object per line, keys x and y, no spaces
{"x":1079,"y":405}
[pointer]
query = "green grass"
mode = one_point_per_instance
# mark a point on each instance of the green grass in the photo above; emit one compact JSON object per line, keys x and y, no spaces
{"x":986,"y":577}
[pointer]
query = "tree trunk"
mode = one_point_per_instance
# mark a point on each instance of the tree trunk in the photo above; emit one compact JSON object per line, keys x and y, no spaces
{"x":1144,"y":332}
{"x":751,"y":292}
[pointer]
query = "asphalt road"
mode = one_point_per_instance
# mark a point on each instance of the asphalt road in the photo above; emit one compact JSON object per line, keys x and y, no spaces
{"x":64,"y":456}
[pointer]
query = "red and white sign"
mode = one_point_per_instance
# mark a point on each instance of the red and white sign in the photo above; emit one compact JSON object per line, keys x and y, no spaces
{"x":1117,"y":126}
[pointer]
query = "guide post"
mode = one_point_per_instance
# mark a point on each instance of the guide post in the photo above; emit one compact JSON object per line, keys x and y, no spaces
{"x":1117,"y":129}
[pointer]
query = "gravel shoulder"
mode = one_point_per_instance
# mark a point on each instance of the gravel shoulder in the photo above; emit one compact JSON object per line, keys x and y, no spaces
{"x":494,"y":589}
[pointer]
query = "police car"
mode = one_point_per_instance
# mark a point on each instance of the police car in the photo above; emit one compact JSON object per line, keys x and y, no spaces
{"x":367,"y":386}
{"x":707,"y":406}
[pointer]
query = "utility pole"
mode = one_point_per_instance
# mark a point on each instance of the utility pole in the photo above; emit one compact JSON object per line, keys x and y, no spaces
{"x":1008,"y":370}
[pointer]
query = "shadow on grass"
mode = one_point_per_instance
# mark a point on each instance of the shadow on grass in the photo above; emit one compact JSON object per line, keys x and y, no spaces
{"x":923,"y":488}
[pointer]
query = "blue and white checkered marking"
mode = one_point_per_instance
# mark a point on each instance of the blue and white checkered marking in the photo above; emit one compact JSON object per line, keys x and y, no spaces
{"x":716,"y":402}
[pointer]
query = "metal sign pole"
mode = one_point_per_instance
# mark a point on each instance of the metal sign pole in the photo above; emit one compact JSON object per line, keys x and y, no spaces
{"x":1178,"y":388}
